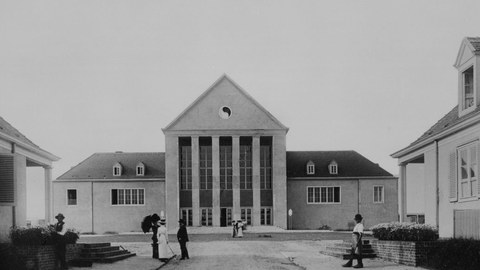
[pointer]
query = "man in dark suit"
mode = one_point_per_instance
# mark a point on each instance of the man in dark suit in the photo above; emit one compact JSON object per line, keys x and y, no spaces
{"x":60,"y":244}
{"x":182,"y":237}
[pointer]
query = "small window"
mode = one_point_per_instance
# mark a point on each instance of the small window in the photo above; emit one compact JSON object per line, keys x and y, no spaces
{"x":117,"y":169}
{"x":310,"y":167}
{"x":71,"y":197}
{"x":467,"y":166}
{"x":378,"y":194}
{"x":468,"y":93}
{"x":140,"y":169}
{"x":333,"y":167}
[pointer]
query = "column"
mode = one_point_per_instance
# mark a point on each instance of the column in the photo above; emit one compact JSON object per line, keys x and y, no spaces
{"x":279,"y":181}
{"x":216,"y":180}
{"x":236,"y":177}
{"x":48,"y":194}
{"x":172,"y":184}
{"x":402,"y":186}
{"x":195,"y":181}
{"x":256,"y":180}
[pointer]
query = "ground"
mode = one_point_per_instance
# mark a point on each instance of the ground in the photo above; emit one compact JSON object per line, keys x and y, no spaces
{"x":261,"y":250}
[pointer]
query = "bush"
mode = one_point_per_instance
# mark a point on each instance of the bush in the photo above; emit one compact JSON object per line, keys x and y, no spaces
{"x":40,"y":236}
{"x":397,"y":231}
{"x":455,"y":254}
{"x":324,"y":227}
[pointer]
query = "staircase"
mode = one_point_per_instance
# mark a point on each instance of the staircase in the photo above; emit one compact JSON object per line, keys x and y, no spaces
{"x":101,"y":253}
{"x":343,"y":250}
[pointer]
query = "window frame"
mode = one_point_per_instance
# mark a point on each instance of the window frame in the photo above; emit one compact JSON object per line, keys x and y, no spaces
{"x":141,"y":196}
{"x":246,"y":214}
{"x":189,"y":215}
{"x":118,"y":167}
{"x":468,"y":147}
{"x":463,"y":86}
{"x":264,"y":215}
{"x":140,"y":170}
{"x":209,"y":216}
{"x":333,"y":168}
{"x":382,"y":194}
{"x":326,"y":193}
{"x":310,"y":168}
{"x":76,"y":197}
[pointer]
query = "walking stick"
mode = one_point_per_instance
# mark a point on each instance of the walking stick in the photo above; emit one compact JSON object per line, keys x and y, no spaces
{"x":171,"y":250}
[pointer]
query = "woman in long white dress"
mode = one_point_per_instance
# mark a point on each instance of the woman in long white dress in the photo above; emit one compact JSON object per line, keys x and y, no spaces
{"x":240,"y":228}
{"x":162,"y":236}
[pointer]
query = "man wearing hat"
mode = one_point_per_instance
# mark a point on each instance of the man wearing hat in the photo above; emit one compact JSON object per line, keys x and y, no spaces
{"x":356,"y":251}
{"x":60,"y":244}
{"x":182,"y":237}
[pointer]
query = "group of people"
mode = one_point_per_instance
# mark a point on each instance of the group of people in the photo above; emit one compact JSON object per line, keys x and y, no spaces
{"x":182,"y":237}
{"x":162,"y":235}
{"x":238,"y":227}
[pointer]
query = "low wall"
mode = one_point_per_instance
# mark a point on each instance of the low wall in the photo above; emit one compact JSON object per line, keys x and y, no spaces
{"x":43,"y":257}
{"x":403,"y":252}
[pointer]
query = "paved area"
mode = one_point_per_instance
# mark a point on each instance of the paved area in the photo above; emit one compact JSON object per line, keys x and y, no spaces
{"x":238,"y":254}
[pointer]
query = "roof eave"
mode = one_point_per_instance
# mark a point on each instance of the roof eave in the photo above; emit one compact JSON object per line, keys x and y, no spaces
{"x":36,"y":150}
{"x":462,"y":125}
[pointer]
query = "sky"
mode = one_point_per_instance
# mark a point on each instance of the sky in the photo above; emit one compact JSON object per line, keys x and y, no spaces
{"x":79,"y":77}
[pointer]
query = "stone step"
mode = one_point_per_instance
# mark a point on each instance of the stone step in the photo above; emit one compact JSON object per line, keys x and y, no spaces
{"x":95,"y":245}
{"x":347,"y":250}
{"x":105,"y":254}
{"x":99,"y":249}
{"x":115,"y":258}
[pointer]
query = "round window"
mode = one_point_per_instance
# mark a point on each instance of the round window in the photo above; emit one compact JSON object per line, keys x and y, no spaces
{"x":225,"y":112}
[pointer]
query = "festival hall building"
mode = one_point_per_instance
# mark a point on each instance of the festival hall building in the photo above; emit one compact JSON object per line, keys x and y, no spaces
{"x":225,"y":159}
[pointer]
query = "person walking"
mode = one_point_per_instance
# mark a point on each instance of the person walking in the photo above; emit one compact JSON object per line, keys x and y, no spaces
{"x":356,"y":251}
{"x":162,"y":237}
{"x":182,"y":237}
{"x":60,"y":244}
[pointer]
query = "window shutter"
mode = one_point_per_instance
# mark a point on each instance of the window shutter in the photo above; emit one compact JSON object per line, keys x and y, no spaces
{"x":452,"y":177}
{"x":6,"y":179}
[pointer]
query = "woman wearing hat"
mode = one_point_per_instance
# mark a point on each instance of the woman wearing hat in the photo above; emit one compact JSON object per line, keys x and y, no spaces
{"x":162,"y":237}
{"x":356,"y":251}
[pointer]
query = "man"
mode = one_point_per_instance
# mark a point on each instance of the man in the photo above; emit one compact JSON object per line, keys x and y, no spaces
{"x":356,"y":250}
{"x":60,"y":244}
{"x":182,"y":237}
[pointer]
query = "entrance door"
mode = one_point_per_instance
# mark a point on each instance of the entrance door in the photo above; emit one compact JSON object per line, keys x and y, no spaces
{"x":225,"y":217}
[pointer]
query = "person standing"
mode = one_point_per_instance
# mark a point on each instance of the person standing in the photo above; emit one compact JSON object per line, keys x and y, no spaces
{"x":60,"y":244}
{"x":239,"y":228}
{"x":182,"y":237}
{"x":356,"y":251}
{"x":234,"y":225}
{"x":162,"y":237}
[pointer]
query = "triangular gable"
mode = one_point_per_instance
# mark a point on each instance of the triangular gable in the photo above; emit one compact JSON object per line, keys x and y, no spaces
{"x":205,"y":112}
{"x":466,"y":52}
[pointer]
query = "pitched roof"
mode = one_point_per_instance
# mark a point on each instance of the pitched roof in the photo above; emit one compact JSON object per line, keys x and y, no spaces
{"x":100,"y":166}
{"x":210,"y":89}
{"x":350,"y":164}
{"x":475,"y":41}
{"x":11,"y":132}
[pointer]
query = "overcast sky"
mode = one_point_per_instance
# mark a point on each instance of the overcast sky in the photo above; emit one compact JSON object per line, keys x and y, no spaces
{"x":78,"y":77}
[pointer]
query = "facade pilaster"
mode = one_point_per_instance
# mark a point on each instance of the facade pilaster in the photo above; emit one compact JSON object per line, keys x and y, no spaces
{"x":172,"y":183}
{"x":216,"y":181}
{"x":256,"y":180}
{"x":402,"y":186}
{"x":195,"y":181}
{"x":236,"y":177}
{"x":279,"y":181}
{"x":48,"y":194}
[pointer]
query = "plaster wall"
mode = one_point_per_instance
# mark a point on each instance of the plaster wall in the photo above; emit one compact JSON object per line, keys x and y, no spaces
{"x":107,"y":217}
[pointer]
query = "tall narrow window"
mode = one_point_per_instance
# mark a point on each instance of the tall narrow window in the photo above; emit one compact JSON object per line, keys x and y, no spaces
{"x":265,"y":216}
{"x":226,"y":172}
{"x":467,"y":166}
{"x":186,"y":214}
{"x":265,"y":167}
{"x":205,"y":163}
{"x":468,"y":93}
{"x":378,"y":194}
{"x":310,"y":167}
{"x":71,"y":197}
{"x":185,"y":163}
{"x":245,"y":162}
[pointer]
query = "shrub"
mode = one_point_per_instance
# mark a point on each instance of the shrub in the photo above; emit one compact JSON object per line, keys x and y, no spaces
{"x":404,"y":231}
{"x":40,"y":236}
{"x":324,"y":227}
{"x":455,"y":254}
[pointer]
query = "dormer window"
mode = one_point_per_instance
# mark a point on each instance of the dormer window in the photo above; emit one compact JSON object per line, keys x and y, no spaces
{"x":468,"y":93}
{"x":333,"y":167}
{"x":140,"y":169}
{"x":117,"y":169}
{"x":310,"y":167}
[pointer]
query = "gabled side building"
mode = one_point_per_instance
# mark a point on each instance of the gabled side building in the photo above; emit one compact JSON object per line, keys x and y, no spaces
{"x":449,"y":152}
{"x":225,"y":159}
